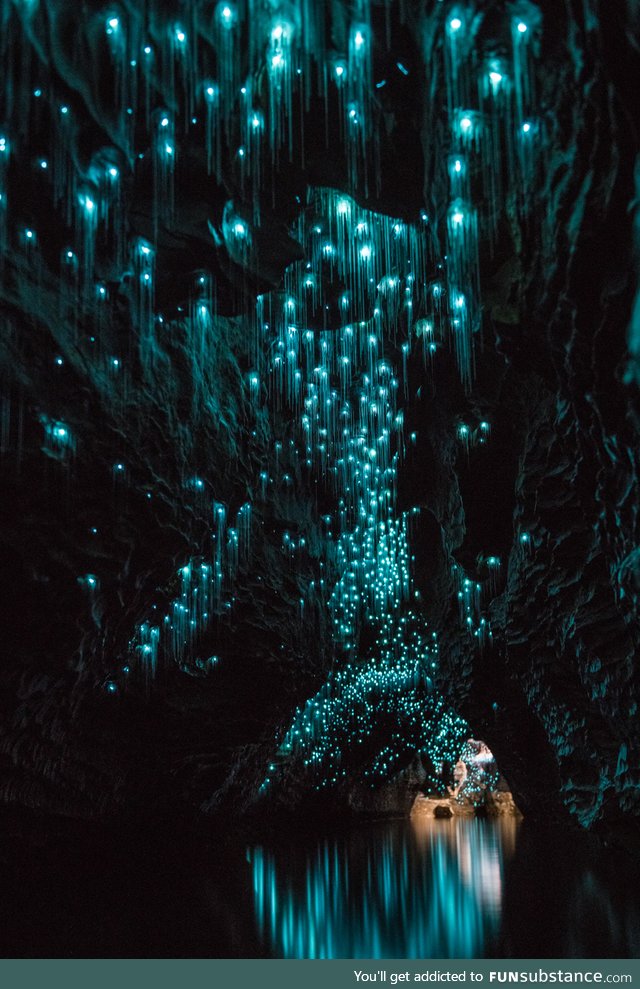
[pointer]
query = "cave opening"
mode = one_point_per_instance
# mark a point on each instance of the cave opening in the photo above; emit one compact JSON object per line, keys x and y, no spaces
{"x":472,"y":785}
{"x":319,"y":454}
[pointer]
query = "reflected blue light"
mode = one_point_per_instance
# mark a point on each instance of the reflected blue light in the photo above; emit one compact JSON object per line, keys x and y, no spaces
{"x":432,"y":890}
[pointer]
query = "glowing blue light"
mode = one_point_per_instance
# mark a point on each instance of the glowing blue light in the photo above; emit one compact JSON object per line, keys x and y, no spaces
{"x":522,"y":27}
{"x":64,"y":109}
{"x":44,"y":164}
{"x":526,"y":127}
{"x":226,"y":15}
{"x":365,"y":252}
{"x":281,"y":32}
{"x":180,"y":36}
{"x":164,"y":122}
{"x":358,"y":39}
{"x":239,"y":229}
{"x":113,"y":172}
{"x":455,"y":23}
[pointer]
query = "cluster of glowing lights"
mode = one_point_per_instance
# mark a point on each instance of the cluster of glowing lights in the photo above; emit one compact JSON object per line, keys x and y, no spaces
{"x":333,"y":736}
{"x":339,"y":368}
{"x":205,"y":591}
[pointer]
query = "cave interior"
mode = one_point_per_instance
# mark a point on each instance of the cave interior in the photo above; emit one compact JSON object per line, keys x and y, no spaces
{"x":320,"y":435}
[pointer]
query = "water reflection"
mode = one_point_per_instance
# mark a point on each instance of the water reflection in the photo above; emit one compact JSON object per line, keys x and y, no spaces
{"x":432,"y":890}
{"x":401,"y":890}
{"x":567,"y":897}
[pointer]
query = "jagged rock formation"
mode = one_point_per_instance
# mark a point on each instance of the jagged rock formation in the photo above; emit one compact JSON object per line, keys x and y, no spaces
{"x":556,"y":694}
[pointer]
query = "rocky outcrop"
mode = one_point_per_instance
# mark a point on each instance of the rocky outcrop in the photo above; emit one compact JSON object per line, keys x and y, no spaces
{"x":496,"y":804}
